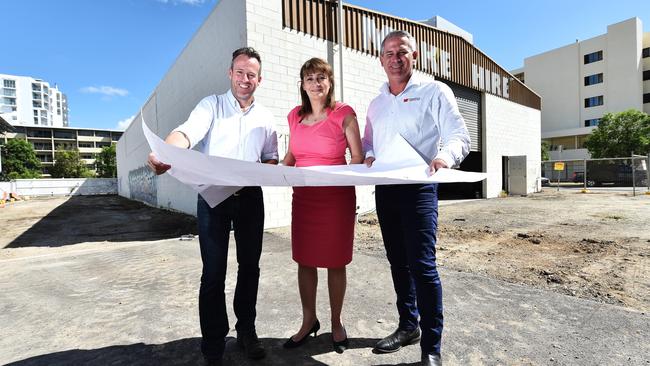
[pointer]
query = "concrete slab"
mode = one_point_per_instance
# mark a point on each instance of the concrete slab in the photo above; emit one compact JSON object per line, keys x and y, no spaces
{"x":135,"y":303}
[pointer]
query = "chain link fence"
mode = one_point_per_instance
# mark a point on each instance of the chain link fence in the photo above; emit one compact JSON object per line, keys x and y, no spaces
{"x":614,"y":172}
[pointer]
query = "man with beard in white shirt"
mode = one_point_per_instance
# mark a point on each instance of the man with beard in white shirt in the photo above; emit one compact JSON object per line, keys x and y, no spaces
{"x":427,"y":116}
{"x":230,"y":125}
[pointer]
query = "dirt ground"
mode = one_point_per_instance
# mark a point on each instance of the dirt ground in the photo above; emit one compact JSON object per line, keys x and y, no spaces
{"x":594,"y":245}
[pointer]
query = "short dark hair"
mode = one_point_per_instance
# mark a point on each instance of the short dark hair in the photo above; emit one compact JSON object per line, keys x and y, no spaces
{"x":248,"y":51}
{"x":312,"y":66}
{"x":398,"y":34}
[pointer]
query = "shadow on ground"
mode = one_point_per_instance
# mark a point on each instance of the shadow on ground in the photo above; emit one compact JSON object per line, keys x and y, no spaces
{"x":111,"y":218}
{"x":187,"y":352}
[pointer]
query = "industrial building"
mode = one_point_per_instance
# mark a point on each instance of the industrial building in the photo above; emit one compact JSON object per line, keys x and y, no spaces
{"x":502,"y":114}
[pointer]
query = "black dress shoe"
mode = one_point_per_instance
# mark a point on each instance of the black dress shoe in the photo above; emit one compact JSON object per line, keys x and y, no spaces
{"x":251,"y":345}
{"x":290,"y":343}
{"x":431,"y":360}
{"x":397,"y":340}
{"x":213,"y":361}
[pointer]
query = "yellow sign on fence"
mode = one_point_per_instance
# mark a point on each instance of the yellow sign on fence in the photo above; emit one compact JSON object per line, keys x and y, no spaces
{"x":558,"y":166}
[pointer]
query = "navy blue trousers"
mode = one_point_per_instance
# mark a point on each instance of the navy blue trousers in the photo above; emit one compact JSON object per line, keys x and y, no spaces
{"x":244,"y":212}
{"x":408,"y":217}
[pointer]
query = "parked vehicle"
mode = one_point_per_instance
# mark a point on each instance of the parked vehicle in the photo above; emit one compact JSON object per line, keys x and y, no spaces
{"x":545,"y":181}
{"x":620,"y":174}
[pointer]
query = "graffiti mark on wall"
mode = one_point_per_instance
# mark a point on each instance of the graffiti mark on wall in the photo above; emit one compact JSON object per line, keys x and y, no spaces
{"x":143,"y":185}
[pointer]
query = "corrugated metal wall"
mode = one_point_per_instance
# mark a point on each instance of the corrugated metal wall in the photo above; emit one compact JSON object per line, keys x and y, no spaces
{"x":469,"y":104}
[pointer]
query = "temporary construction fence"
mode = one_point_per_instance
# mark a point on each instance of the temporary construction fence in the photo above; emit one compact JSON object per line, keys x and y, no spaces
{"x":616,"y":172}
{"x":60,"y":186}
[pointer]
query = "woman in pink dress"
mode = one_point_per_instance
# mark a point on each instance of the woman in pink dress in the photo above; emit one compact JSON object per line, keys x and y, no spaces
{"x":322,"y":225}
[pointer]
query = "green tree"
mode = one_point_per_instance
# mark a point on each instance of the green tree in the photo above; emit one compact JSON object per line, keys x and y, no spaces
{"x":68,"y":164}
{"x":546,"y":155}
{"x":19,"y":160}
{"x":620,"y":134}
{"x":106,"y":162}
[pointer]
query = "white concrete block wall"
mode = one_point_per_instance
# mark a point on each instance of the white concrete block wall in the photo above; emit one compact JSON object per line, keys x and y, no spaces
{"x":200,"y":70}
{"x":510,"y":130}
{"x":283,"y":52}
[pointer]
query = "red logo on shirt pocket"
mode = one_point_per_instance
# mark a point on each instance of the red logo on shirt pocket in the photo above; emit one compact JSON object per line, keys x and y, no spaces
{"x":406,"y":100}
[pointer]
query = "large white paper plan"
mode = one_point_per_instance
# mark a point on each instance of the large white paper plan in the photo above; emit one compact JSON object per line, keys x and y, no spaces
{"x":216,"y":178}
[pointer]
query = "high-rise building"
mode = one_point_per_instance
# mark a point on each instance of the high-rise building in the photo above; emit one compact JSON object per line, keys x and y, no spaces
{"x":27,"y":101}
{"x":582,"y":81}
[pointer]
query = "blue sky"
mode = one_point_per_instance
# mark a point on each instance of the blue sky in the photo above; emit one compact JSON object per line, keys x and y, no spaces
{"x":108,"y":55}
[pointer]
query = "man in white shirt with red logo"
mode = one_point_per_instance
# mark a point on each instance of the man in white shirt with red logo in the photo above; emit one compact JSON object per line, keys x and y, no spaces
{"x":427,"y":116}
{"x":230,"y":125}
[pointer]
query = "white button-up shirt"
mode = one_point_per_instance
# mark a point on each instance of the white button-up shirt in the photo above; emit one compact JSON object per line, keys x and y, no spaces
{"x":223,"y":129}
{"x":425,"y":114}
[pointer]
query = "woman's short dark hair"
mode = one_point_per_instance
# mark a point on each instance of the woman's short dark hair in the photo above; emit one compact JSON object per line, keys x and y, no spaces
{"x":312,"y":66}
{"x":248,"y":51}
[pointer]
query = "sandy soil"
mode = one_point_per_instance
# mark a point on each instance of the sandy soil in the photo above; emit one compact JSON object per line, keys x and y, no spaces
{"x":594,"y":245}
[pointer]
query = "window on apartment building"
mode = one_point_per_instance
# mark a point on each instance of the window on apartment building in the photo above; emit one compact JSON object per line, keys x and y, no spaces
{"x":85,"y":133}
{"x":103,"y":133}
{"x":9,"y":101}
{"x":567,"y":142}
{"x":35,"y":112}
{"x":593,"y":57}
{"x":116,"y":136}
{"x":646,"y":75}
{"x":35,"y":120}
{"x":593,"y":79}
{"x":41,"y":146}
{"x":86,"y":144}
{"x":646,"y":98}
{"x":9,"y":83}
{"x":581,"y":141}
{"x":592,"y":122}
{"x":39,"y":133}
{"x":58,"y":134}
{"x":9,"y":92}
{"x":646,"y":52}
{"x":594,"y":101}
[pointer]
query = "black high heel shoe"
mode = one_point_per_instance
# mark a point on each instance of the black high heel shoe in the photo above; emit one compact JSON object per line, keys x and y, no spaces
{"x":340,"y":346}
{"x":290,"y":343}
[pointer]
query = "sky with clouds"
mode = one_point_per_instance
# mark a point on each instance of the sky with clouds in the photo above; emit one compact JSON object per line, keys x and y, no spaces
{"x":107,"y":56}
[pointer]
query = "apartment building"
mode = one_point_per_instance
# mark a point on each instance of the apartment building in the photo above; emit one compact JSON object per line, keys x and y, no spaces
{"x":46,"y":140}
{"x":582,"y":81}
{"x":27,"y":101}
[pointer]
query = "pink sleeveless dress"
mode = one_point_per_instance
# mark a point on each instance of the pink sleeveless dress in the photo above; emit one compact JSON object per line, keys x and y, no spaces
{"x":322,"y":218}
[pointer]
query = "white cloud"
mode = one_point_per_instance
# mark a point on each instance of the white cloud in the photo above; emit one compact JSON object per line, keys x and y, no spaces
{"x":182,"y":2}
{"x":105,"y":90}
{"x":124,"y":124}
